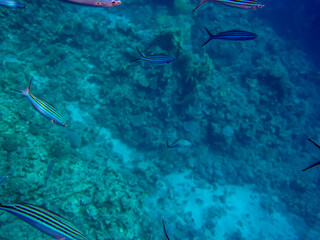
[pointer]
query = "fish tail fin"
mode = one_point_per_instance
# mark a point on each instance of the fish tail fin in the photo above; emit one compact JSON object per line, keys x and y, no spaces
{"x":137,"y":59}
{"x":29,"y":86}
{"x":134,"y":60}
{"x":210,"y":38}
{"x":19,"y":91}
{"x":165,"y":231}
{"x":162,"y":151}
{"x":210,"y":34}
{"x":139,"y":52}
{"x":314,"y":142}
{"x":311,"y":166}
{"x":206,"y":42}
{"x":315,"y":164}
{"x":25,"y":91}
{"x":202,"y":2}
{"x":165,"y":149}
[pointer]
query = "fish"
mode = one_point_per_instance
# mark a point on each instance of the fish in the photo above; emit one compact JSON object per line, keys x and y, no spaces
{"x":94,"y":3}
{"x":233,"y":35}
{"x":165,"y":231}
{"x":244,"y":4}
{"x":12,"y":4}
{"x":3,"y":179}
{"x":45,"y":221}
{"x":154,"y":59}
{"x":44,"y":108}
{"x":49,"y":170}
{"x":179,"y":143}
{"x":315,"y":164}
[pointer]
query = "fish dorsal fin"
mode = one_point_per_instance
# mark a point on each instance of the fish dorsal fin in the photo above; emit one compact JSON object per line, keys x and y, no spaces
{"x":139,"y":52}
{"x":137,"y":59}
{"x":209,"y":31}
{"x":317,"y":145}
{"x":25,"y":91}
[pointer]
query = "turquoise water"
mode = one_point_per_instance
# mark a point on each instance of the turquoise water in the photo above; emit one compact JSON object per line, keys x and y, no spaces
{"x":248,"y":109}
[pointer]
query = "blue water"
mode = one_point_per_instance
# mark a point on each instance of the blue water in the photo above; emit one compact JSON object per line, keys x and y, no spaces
{"x":248,"y":108}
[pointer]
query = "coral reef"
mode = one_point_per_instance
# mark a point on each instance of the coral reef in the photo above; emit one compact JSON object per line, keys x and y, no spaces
{"x":247,"y":108}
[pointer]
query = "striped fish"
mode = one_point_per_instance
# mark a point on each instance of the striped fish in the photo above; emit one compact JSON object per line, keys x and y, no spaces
{"x":179,"y":143}
{"x":95,"y":3}
{"x":317,"y":163}
{"x":154,"y":59}
{"x":45,"y":221}
{"x":12,"y":4}
{"x":43,"y":107}
{"x":244,"y":4}
{"x":233,"y":35}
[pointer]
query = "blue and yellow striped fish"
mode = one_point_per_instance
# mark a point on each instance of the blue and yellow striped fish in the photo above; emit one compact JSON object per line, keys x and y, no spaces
{"x":244,"y":4}
{"x":45,"y":221}
{"x":154,"y":59}
{"x":43,"y":107}
{"x":233,"y":35}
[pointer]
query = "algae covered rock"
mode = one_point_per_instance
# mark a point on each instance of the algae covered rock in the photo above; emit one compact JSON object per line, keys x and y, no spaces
{"x":74,"y":138}
{"x":228,"y":131}
{"x":273,"y":75}
{"x":9,"y":143}
{"x":183,"y":6}
{"x":143,"y":82}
